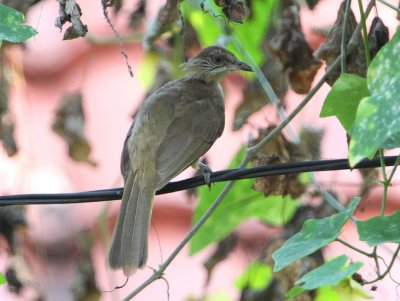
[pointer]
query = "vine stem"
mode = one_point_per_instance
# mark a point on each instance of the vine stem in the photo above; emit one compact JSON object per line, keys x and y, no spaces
{"x":344,"y":36}
{"x":365,"y":34}
{"x":157,"y":274}
{"x":354,"y":248}
{"x":385,"y":182}
{"x":380,"y":277}
{"x":390,"y":5}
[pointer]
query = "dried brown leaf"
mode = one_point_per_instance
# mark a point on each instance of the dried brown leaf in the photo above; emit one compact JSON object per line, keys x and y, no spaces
{"x":6,"y":119}
{"x":12,"y":218}
{"x":190,"y":38}
{"x":84,"y":285}
{"x":70,"y":11}
{"x":310,"y":139}
{"x":7,"y":128}
{"x":291,"y":47}
{"x":330,"y":49}
{"x":224,"y":248}
{"x":69,"y":124}
{"x":378,"y":36}
{"x":312,"y":3}
{"x":117,"y":5}
{"x":369,"y":180}
{"x":137,"y":15}
{"x":235,"y":10}
{"x":279,"y":150}
{"x":165,"y":21}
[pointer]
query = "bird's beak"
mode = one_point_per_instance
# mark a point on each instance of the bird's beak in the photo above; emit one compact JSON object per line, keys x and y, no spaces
{"x":243,"y":66}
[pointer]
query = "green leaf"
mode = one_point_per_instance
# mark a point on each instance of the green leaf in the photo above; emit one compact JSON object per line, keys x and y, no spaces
{"x":206,"y":26}
{"x":147,"y":69}
{"x":241,"y":203}
{"x":343,"y":99}
{"x":331,"y":273}
{"x":377,"y":115}
{"x":257,"y":276}
{"x":325,"y":293}
{"x":380,"y":229}
{"x":314,"y":234}
{"x":350,"y":290}
{"x":3,"y":279}
{"x":392,"y":142}
{"x":252,"y":32}
{"x":11,"y":27}
{"x":216,"y":296}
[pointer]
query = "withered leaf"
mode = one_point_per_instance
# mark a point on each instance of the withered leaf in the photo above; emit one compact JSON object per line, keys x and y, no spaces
{"x":312,"y":3}
{"x":6,"y":120}
{"x":190,"y":38}
{"x":369,"y":180}
{"x":166,"y":19}
{"x":12,"y":218}
{"x":137,"y":14}
{"x":330,"y":49}
{"x":69,"y":124}
{"x":291,"y":47}
{"x":279,"y":150}
{"x":234,"y":10}
{"x":378,"y":36}
{"x":84,"y":285}
{"x":7,"y":134}
{"x":70,"y":11}
{"x":310,"y":140}
{"x":224,"y":248}
{"x":254,"y":97}
{"x":117,"y":5}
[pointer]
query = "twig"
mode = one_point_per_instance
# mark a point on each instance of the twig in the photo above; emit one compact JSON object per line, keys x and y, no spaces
{"x":389,"y":5}
{"x":117,"y":35}
{"x":380,"y":277}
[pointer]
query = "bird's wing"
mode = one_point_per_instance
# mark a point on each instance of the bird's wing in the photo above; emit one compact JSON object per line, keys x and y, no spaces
{"x":198,"y":124}
{"x":125,"y":158}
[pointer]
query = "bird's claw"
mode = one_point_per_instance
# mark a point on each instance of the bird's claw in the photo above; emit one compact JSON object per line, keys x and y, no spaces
{"x":206,"y":173}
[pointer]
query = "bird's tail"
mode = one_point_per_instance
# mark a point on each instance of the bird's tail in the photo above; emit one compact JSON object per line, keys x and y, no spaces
{"x":129,"y":244}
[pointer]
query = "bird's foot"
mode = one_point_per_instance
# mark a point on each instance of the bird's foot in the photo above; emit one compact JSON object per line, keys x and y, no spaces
{"x":206,"y":173}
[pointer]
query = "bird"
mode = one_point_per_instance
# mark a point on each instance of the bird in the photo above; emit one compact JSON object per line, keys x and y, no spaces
{"x":172,"y":129}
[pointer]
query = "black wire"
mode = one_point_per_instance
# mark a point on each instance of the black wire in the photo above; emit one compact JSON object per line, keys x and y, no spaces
{"x":219,"y":176}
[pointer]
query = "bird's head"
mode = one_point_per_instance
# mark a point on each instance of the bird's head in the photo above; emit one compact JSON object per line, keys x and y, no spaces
{"x":213,"y":63}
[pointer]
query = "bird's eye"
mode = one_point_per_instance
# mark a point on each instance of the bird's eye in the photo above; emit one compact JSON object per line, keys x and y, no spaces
{"x":217,"y":60}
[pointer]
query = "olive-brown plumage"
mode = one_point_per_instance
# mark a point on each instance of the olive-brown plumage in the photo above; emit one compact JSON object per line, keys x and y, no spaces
{"x":172,"y":129}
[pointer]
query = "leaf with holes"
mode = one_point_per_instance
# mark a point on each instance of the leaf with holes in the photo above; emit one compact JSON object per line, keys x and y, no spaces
{"x":331,"y":273}
{"x":380,"y":229}
{"x":377,"y":116}
{"x":315,"y":234}
{"x":343,"y":99}
{"x":11,"y":27}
